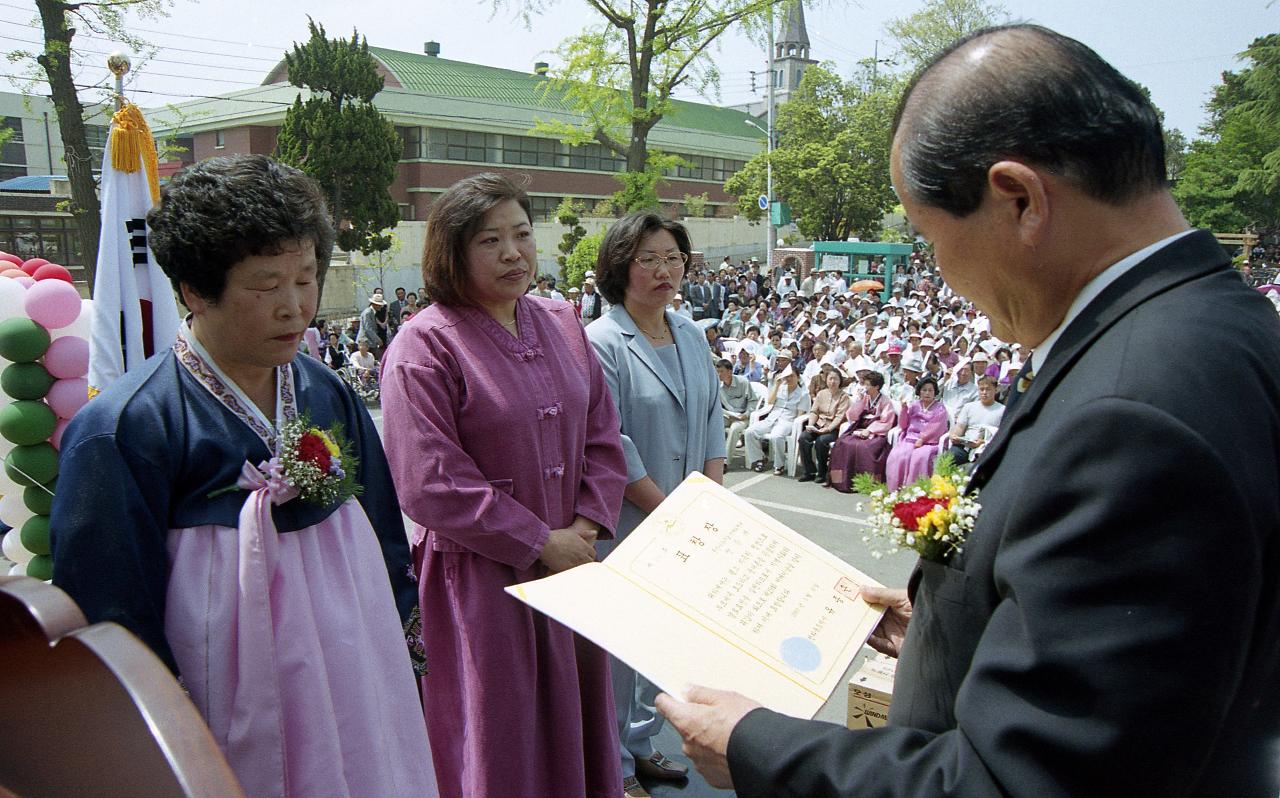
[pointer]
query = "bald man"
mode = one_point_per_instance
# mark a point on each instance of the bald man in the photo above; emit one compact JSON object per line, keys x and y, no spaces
{"x":1112,"y":625}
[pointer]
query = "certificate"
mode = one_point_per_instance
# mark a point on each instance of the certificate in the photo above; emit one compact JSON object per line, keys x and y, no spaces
{"x":743,"y":602}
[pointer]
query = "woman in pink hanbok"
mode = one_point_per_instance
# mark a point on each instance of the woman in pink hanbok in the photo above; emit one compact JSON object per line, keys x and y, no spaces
{"x":277,"y":609}
{"x":503,"y":442}
{"x":922,"y":425}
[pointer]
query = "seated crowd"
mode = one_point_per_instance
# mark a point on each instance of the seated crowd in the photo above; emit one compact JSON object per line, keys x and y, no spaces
{"x":831,"y":384}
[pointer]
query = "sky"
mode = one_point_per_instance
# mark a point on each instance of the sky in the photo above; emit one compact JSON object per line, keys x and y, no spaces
{"x":1177,"y":48}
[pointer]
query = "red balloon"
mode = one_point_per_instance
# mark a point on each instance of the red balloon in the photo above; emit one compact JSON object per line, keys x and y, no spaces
{"x":30,"y":266}
{"x":13,"y":273}
{"x":52,"y":271}
{"x":14,"y":259}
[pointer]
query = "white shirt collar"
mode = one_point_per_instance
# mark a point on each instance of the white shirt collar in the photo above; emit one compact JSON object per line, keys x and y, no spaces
{"x":1091,"y":291}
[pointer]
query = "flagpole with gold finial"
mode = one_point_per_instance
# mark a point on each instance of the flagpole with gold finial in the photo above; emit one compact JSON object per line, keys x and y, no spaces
{"x":119,"y":65}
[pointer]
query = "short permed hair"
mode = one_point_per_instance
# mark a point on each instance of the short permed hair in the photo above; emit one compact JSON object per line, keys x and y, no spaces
{"x":1034,"y":96}
{"x":215,"y":213}
{"x":453,"y":219}
{"x":622,"y":241}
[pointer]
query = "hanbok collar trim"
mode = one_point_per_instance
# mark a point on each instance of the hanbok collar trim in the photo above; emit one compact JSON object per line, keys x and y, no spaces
{"x":525,"y":347}
{"x":201,"y":365}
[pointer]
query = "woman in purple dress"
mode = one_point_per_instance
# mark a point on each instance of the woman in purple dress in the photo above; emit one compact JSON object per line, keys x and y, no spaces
{"x":504,"y":447}
{"x":923,"y":424}
{"x":863,"y":448}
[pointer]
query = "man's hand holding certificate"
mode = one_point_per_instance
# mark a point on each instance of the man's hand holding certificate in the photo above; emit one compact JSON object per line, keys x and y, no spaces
{"x":749,"y":605}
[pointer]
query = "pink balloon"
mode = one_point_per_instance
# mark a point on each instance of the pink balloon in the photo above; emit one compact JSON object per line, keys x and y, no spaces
{"x":67,"y":358}
{"x":14,"y":272}
{"x":68,"y":396}
{"x":56,"y":437}
{"x":30,"y":266}
{"x":53,"y":303}
{"x":52,"y":271}
{"x":14,"y":259}
{"x":26,"y":280}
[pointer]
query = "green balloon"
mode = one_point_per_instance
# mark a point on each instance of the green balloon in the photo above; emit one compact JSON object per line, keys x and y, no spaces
{"x":35,"y":534}
{"x":27,"y":423}
{"x":39,"y":499}
{"x":29,"y":465}
{"x":22,"y":340}
{"x":26,"y":381}
{"x":40,"y":567}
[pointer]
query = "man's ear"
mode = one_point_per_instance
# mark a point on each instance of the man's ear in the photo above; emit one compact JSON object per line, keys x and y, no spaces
{"x":1022,"y":199}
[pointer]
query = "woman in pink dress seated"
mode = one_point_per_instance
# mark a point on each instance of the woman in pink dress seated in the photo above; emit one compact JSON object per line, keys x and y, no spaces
{"x":863,"y":448}
{"x":923,"y":423}
{"x":504,"y":445}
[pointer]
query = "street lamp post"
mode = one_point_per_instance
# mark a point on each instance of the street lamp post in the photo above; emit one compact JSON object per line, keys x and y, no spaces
{"x":768,"y":226}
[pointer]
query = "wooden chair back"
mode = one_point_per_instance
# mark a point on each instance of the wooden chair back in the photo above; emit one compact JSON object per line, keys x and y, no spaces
{"x":90,"y":710}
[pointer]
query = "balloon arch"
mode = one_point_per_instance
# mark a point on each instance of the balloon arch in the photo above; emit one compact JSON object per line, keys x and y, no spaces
{"x":44,"y":363}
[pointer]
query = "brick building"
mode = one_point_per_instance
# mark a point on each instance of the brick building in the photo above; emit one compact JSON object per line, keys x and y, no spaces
{"x":457,"y":118}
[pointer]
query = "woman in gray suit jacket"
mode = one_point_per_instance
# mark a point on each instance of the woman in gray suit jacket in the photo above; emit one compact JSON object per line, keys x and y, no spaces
{"x":668,"y":400}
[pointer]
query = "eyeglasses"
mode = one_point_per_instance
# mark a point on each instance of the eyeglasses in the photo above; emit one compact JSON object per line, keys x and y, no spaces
{"x":651,"y":260}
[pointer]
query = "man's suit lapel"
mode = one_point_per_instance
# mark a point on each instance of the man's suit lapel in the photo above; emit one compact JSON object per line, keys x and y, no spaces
{"x":1185,"y":259}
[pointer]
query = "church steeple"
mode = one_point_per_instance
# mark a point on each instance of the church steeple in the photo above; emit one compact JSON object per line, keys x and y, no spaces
{"x":791,"y":52}
{"x":795,"y":37}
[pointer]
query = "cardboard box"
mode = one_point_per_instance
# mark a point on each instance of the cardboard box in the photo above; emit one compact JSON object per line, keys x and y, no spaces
{"x":870,"y":691}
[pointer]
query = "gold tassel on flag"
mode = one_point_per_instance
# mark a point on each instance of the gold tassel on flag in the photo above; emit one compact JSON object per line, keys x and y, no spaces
{"x":131,"y":142}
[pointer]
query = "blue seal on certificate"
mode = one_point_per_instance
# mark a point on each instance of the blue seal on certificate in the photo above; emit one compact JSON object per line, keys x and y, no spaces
{"x":801,"y":654}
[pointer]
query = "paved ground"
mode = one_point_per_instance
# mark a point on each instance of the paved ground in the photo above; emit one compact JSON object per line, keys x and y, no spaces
{"x":829,"y":519}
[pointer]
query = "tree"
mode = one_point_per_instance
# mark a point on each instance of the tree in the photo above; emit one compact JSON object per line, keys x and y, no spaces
{"x":583,"y":258}
{"x":569,"y":213}
{"x":1231,"y":177}
{"x":695,"y":205}
{"x":929,"y":31}
{"x":104,"y":19}
{"x":373,"y":273}
{"x":831,"y":164}
{"x":338,"y":137}
{"x":619,"y":75}
{"x":1175,"y":153}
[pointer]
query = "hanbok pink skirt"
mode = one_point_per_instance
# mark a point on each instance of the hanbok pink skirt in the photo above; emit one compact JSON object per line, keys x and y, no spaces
{"x":291,"y":647}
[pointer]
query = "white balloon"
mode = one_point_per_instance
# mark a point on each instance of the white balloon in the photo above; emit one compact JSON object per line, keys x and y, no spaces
{"x":18,"y":570}
{"x":81,"y":327}
{"x":13,"y":298}
{"x":14,"y":550}
{"x":7,"y":485}
{"x":13,"y":512}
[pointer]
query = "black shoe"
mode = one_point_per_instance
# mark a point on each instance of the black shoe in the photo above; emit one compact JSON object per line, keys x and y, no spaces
{"x":758,"y":466}
{"x":806,"y":478}
{"x":777,"y":472}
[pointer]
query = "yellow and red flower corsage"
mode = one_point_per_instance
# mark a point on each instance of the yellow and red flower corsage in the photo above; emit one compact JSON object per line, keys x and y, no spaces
{"x":316,"y":463}
{"x":932,"y":516}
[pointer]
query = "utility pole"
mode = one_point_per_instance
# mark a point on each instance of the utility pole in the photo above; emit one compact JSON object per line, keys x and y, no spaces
{"x":769,"y":230}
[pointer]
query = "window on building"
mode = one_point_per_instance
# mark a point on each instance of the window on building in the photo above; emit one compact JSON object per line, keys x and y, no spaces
{"x":219,"y":139}
{"x":96,"y":136}
{"x":411,"y":139}
{"x":406,"y":211}
{"x":544,"y":208}
{"x":51,"y":237}
{"x":460,"y":145}
{"x":532,"y":151}
{"x":13,"y":153}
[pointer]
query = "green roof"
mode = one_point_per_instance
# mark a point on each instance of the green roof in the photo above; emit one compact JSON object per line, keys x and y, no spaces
{"x":441,"y":76}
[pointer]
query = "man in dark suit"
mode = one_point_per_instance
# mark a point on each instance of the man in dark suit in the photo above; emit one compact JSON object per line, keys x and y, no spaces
{"x":1112,"y":625}
{"x":715,"y":297}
